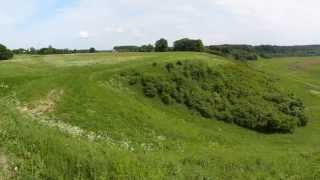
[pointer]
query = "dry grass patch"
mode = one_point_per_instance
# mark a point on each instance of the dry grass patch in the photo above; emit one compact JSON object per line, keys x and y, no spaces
{"x":305,"y":65}
{"x":43,"y":106}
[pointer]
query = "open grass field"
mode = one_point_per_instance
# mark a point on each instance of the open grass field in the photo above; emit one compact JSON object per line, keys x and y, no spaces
{"x":71,"y":117}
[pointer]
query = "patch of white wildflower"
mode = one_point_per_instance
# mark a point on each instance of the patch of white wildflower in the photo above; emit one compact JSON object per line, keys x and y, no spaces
{"x":116,"y":84}
{"x":3,"y":85}
{"x":36,"y":114}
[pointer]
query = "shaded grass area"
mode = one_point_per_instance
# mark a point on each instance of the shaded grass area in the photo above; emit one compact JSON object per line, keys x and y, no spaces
{"x":153,"y":141}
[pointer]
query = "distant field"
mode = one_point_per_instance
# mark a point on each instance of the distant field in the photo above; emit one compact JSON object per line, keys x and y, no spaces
{"x":68,"y":117}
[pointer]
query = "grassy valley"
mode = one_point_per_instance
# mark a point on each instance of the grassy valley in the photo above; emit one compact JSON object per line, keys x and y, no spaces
{"x":80,"y":116}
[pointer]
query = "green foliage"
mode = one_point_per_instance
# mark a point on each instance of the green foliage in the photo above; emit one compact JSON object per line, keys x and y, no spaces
{"x":248,"y":52}
{"x":127,"y":48}
{"x":92,"y":50}
{"x":285,"y":51}
{"x":51,"y":50}
{"x":161,"y":45}
{"x":244,"y":56}
{"x":5,"y":53}
{"x":146,"y":48}
{"x":143,"y":48}
{"x":19,"y":51}
{"x":188,"y":45}
{"x":237,"y":52}
{"x":229,"y":93}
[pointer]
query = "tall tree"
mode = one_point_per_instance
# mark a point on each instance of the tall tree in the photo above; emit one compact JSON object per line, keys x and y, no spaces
{"x":92,"y":50}
{"x":5,"y":53}
{"x":161,"y":45}
{"x":32,"y":50}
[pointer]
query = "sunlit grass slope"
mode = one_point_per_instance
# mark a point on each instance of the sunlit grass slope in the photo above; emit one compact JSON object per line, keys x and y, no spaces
{"x":70,"y":117}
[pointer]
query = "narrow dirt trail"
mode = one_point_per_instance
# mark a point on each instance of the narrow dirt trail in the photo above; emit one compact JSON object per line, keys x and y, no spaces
{"x":4,"y":166}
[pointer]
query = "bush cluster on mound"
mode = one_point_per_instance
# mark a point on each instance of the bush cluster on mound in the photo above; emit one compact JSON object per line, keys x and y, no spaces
{"x":230,"y":93}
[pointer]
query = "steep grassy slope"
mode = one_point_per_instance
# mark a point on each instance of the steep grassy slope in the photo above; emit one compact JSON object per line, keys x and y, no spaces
{"x":68,"y":117}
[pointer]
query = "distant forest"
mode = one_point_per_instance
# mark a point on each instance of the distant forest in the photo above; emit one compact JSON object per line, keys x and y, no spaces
{"x":248,"y":52}
{"x":237,"y":52}
{"x":51,"y":50}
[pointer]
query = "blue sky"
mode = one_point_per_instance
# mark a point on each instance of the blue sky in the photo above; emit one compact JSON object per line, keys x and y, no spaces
{"x":49,"y":8}
{"x":43,"y":11}
{"x":105,"y":23}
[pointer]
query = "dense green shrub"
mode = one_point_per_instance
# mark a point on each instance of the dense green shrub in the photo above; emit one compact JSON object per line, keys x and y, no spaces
{"x":5,"y":53}
{"x":230,"y":93}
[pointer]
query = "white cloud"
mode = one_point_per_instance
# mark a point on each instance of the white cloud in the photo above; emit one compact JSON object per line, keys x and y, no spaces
{"x":84,"y":34}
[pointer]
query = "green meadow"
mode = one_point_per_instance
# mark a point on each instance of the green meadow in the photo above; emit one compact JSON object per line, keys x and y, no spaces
{"x":74,"y":117}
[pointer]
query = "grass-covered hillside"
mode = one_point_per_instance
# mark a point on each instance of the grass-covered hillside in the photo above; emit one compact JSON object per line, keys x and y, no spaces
{"x":232,"y":93}
{"x":88,"y":117}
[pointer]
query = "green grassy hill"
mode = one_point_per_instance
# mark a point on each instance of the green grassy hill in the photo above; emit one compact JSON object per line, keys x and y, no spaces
{"x":73,"y":117}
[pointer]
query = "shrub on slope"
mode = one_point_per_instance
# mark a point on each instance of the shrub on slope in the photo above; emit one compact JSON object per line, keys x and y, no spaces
{"x":231,"y":93}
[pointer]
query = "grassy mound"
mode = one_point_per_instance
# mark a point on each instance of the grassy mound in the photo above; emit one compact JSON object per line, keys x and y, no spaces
{"x":232,"y":93}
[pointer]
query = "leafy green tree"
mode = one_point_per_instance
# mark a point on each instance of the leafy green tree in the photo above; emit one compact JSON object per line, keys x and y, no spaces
{"x":49,"y":50}
{"x":188,"y":45}
{"x":161,"y":45}
{"x":92,"y":50}
{"x":32,"y":50}
{"x":5,"y":53}
{"x":146,"y":48}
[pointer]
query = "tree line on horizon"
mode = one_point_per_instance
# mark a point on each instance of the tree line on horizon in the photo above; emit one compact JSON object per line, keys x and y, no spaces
{"x":162,"y":45}
{"x":249,"y":52}
{"x":237,"y":52}
{"x":51,"y":50}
